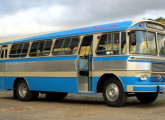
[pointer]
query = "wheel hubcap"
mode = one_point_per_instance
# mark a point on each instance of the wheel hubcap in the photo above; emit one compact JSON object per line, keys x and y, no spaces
{"x":23,"y":89}
{"x":112,"y":92}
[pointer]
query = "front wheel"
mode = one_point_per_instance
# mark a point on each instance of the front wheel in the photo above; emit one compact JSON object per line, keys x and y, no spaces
{"x":113,"y":93}
{"x":147,"y":98}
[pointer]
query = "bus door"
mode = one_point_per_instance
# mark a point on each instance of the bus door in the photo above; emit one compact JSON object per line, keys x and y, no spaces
{"x":3,"y":67}
{"x":85,"y":65}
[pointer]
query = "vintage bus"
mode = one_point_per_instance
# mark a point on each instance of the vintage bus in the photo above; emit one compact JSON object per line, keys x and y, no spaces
{"x":119,"y":59}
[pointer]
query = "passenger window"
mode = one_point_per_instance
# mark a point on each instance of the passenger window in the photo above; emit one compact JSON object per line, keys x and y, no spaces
{"x":2,"y":54}
{"x":58,"y":47}
{"x":13,"y":52}
{"x":108,"y":44}
{"x":47,"y":47}
{"x":74,"y":45}
{"x":66,"y":46}
{"x":34,"y":48}
{"x":41,"y":48}
{"x":19,"y":50}
{"x":14,"y":49}
{"x":24,"y":50}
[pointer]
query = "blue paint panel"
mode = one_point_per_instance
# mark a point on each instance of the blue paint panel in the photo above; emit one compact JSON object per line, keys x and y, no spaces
{"x":53,"y":84}
{"x":129,"y":81}
{"x":1,"y":83}
{"x":144,"y":88}
{"x":109,"y":58}
{"x":141,"y":25}
{"x":80,"y":31}
{"x":9,"y":82}
{"x":41,"y":59}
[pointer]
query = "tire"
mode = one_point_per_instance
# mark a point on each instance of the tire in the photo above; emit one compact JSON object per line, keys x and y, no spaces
{"x":147,"y":98}
{"x":55,"y":96}
{"x":23,"y":93}
{"x":113,"y":93}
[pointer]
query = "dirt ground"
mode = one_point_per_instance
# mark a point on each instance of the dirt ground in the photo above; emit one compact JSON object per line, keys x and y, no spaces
{"x":78,"y":107}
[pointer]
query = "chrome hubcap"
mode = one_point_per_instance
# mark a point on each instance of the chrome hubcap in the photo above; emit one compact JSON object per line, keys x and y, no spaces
{"x":112,"y":92}
{"x":23,"y":89}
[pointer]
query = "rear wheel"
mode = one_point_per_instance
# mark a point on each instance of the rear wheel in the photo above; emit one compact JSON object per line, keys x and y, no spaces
{"x":55,"y":95}
{"x":113,"y":93}
{"x":147,"y":97}
{"x":23,"y":93}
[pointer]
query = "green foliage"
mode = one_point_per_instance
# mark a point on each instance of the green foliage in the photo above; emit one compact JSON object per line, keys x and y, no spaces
{"x":159,"y":20}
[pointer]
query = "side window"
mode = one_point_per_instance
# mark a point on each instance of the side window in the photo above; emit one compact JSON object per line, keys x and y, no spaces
{"x":24,"y":50}
{"x":2,"y":54}
{"x":19,"y":50}
{"x":108,"y":44}
{"x":102,"y":47}
{"x":47,"y":47}
{"x":34,"y":48}
{"x":58,"y":47}
{"x":66,"y":46}
{"x":13,"y":52}
{"x":40,"y":48}
{"x":74,"y":45}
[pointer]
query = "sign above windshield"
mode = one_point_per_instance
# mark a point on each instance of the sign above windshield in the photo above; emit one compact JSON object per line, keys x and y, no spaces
{"x":155,"y":26}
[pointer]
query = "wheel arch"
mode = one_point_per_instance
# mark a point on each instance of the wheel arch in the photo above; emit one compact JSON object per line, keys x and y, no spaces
{"x":103,"y":79}
{"x":17,"y":80}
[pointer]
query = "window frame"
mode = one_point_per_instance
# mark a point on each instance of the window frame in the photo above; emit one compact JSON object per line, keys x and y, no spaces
{"x":65,"y":52}
{"x":19,"y":55}
{"x":156,"y":42}
{"x":40,"y":54}
{"x":112,"y":35}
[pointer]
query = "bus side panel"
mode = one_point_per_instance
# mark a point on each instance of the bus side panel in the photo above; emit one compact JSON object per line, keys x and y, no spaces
{"x":1,"y":83}
{"x":53,"y":84}
{"x":9,"y":83}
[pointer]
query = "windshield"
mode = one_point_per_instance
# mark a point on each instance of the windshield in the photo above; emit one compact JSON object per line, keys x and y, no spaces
{"x":161,"y":44}
{"x":142,"y":42}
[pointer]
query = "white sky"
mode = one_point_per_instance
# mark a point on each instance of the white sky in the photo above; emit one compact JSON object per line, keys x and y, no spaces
{"x":22,"y":17}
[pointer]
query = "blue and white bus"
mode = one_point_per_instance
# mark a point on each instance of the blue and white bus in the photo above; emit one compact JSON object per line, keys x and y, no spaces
{"x":119,"y":59}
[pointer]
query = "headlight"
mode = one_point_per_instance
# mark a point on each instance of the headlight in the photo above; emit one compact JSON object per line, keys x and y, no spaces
{"x":143,"y":77}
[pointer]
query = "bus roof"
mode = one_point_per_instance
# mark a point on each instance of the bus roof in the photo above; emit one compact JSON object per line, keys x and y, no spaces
{"x":79,"y":31}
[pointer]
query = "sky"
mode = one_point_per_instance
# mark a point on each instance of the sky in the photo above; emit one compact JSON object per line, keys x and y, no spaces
{"x":23,"y":17}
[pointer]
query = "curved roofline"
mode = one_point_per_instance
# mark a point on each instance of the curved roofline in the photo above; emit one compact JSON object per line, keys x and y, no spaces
{"x":77,"y":31}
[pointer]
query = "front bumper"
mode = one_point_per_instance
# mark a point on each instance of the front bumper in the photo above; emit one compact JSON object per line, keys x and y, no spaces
{"x":145,"y":88}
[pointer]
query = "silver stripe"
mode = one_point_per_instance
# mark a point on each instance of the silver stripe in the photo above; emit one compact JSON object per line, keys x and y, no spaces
{"x":158,"y":67}
{"x":41,"y":66}
{"x":121,"y":65}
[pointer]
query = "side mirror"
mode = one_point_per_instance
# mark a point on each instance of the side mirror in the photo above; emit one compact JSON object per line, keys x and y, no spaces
{"x":133,"y":39}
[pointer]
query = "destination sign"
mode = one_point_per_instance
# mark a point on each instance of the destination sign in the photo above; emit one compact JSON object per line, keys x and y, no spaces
{"x":155,"y":26}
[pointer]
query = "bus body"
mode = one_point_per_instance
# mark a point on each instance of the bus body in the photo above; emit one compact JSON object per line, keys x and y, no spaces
{"x":118,"y":59}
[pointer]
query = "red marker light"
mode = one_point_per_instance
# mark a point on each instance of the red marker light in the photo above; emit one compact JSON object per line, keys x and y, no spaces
{"x":140,"y":25}
{"x":98,"y":37}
